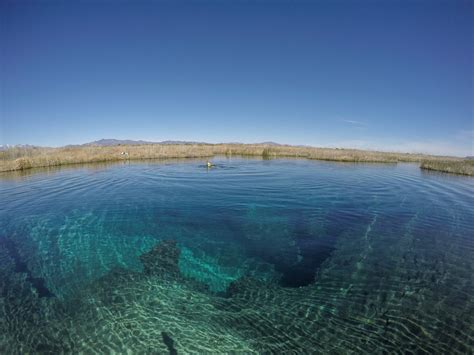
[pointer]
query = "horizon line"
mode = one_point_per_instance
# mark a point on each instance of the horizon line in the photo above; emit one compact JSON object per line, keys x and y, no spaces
{"x":184,"y":142}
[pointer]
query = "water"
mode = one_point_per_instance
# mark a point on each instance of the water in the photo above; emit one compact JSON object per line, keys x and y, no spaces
{"x":283,"y":256}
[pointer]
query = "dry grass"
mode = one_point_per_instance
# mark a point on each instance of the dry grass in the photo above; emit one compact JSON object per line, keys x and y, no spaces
{"x":462,"y":167}
{"x":26,"y":158}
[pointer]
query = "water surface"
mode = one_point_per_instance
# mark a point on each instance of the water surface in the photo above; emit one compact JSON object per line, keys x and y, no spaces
{"x":271,"y":256}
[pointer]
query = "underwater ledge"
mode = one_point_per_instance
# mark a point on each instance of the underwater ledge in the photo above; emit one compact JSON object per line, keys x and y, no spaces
{"x":160,"y":310}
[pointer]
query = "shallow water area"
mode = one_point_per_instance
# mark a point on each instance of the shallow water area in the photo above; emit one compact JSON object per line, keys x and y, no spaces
{"x":249,"y":255}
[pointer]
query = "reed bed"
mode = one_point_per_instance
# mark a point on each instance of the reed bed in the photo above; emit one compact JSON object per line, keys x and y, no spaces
{"x":18,"y":158}
{"x":462,"y":167}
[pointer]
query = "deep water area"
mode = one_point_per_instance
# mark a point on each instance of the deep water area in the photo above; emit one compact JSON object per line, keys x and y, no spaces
{"x":248,"y":256}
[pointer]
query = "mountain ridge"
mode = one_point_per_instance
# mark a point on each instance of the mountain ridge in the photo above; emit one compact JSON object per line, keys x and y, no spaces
{"x":107,"y":142}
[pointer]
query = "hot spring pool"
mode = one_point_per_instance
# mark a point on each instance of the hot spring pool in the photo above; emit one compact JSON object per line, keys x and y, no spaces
{"x":264,"y":256}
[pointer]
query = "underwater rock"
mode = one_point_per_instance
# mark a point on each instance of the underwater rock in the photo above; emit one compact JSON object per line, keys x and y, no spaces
{"x":162,"y":260}
{"x":248,"y":286}
{"x":169,"y":342}
{"x":20,"y":266}
{"x":240,"y":285}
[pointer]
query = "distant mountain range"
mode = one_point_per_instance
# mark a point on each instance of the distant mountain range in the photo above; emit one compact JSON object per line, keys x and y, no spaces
{"x":110,"y":142}
{"x":113,"y":142}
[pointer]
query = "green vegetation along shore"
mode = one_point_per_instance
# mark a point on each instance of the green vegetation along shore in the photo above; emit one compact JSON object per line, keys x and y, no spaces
{"x":20,"y":158}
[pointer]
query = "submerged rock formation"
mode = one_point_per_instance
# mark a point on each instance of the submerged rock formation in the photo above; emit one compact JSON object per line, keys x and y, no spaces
{"x":162,"y":260}
{"x":20,"y":266}
{"x":357,"y":304}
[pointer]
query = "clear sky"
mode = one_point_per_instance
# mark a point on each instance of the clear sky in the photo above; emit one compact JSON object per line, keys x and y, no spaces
{"x":393,"y":75}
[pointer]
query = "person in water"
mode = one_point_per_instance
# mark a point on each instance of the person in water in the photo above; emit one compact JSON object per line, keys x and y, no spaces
{"x":209,"y":164}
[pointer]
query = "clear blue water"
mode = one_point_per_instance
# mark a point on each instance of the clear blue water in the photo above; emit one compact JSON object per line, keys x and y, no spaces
{"x":274,"y":256}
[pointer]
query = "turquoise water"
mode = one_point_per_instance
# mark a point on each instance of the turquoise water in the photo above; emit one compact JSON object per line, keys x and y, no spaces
{"x":250,"y":256}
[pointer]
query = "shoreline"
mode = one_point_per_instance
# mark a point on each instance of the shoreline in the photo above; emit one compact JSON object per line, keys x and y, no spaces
{"x":17,"y":159}
{"x":464,"y":167}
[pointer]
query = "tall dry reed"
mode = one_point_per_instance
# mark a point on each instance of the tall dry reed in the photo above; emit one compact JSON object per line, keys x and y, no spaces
{"x":26,"y":158}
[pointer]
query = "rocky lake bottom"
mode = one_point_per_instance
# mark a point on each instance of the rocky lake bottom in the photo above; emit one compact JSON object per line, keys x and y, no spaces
{"x":249,"y":256}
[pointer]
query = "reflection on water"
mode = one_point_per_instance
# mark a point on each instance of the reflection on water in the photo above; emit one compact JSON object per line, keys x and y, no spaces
{"x":248,"y":256}
{"x":91,"y":167}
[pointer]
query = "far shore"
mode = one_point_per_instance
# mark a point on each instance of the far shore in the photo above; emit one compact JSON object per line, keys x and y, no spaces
{"x":19,"y":158}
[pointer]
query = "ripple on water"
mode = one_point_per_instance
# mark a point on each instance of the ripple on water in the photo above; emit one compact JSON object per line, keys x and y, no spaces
{"x":275,"y":256}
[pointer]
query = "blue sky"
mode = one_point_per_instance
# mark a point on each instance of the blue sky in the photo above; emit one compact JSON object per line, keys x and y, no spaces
{"x":390,"y":75}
